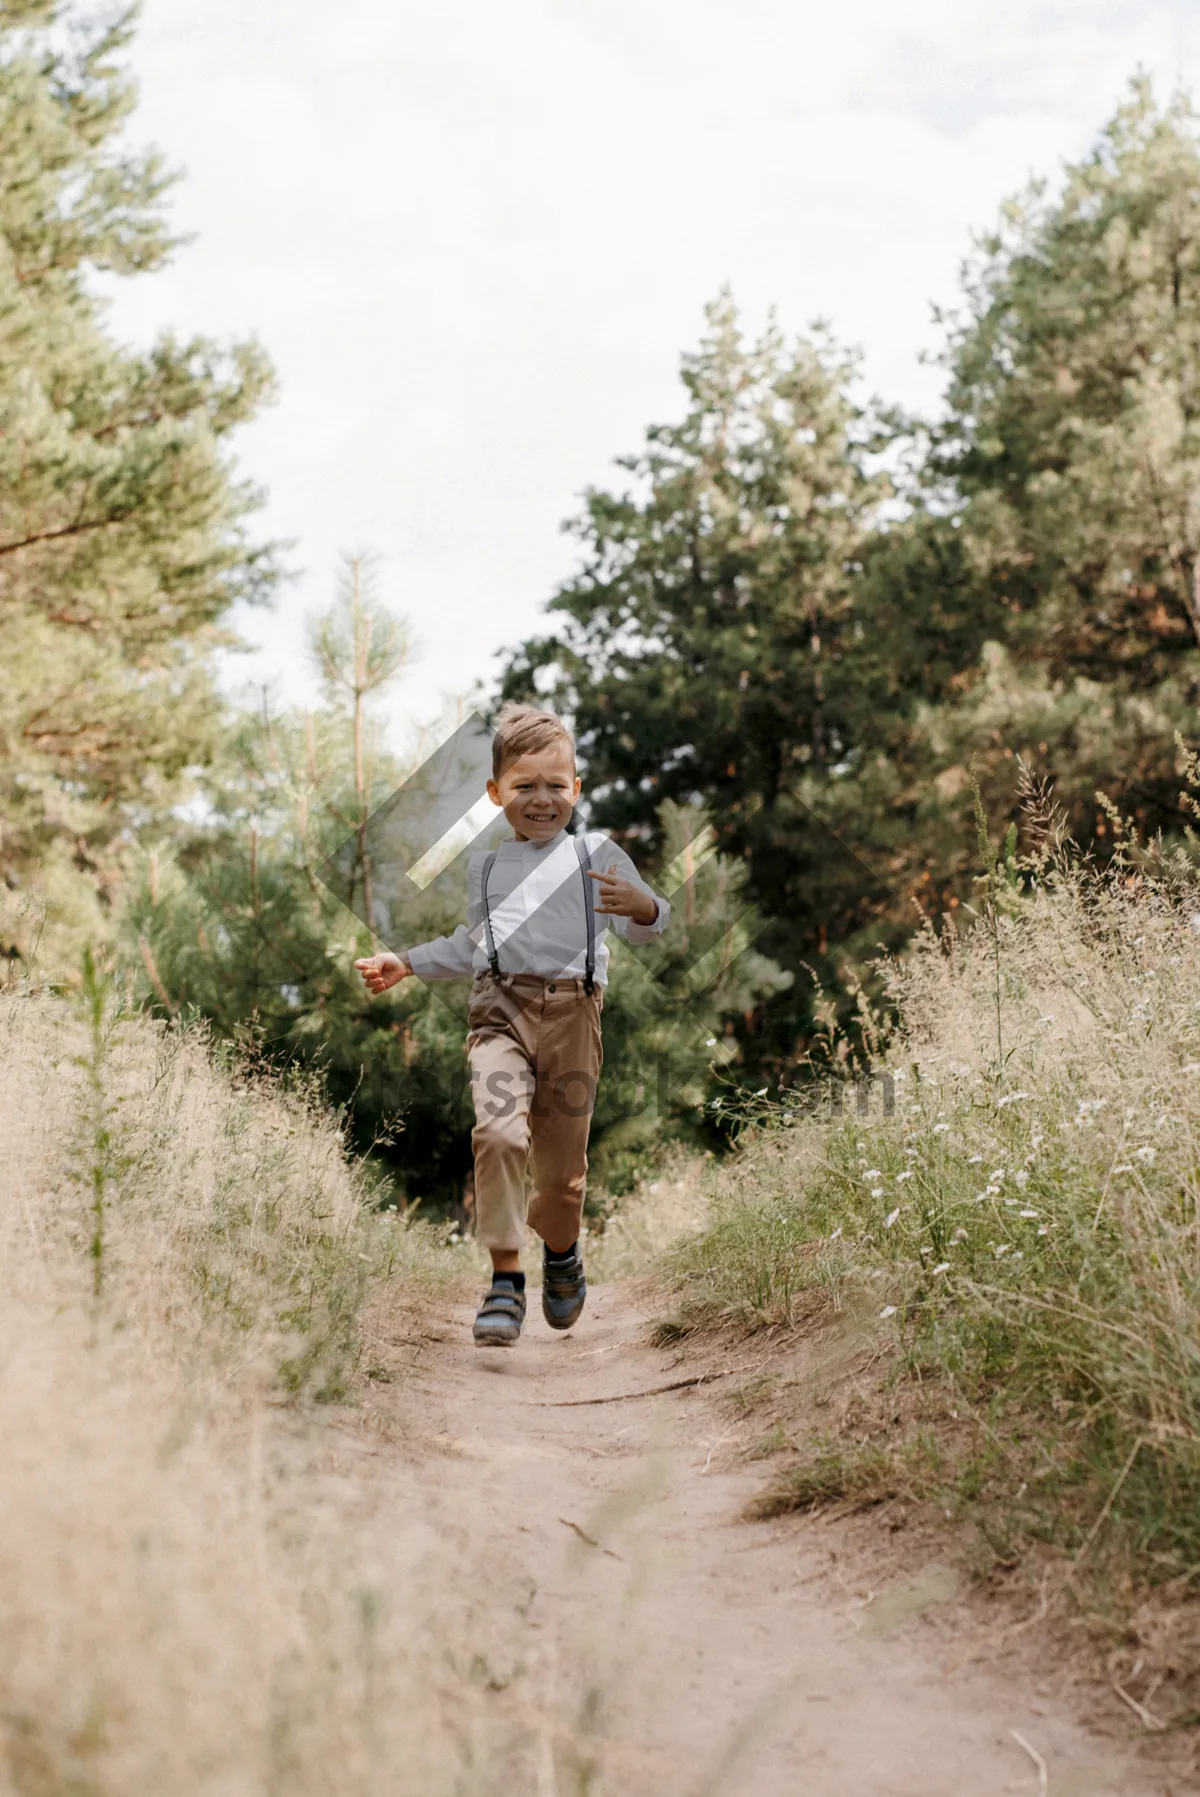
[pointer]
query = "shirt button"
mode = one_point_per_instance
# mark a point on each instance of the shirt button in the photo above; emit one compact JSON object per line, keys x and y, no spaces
{"x":552,"y":988}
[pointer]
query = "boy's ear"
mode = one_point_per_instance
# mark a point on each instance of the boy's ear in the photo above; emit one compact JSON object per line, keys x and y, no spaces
{"x":578,"y":789}
{"x":493,"y":792}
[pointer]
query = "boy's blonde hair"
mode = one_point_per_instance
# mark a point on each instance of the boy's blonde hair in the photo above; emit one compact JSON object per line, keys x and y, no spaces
{"x":522,"y":729}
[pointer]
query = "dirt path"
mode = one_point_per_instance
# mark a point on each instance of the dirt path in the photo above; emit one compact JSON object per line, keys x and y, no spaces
{"x":635,"y":1638}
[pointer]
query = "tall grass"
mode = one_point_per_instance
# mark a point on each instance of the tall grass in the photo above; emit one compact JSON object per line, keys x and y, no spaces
{"x":1019,"y":1241}
{"x":186,"y":1608}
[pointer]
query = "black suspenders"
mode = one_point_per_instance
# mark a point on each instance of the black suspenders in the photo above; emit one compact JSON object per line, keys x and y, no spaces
{"x":493,"y":957}
{"x":589,"y":911}
{"x":585,"y":864}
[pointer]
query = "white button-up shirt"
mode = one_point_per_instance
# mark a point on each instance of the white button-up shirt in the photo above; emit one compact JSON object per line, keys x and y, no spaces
{"x":536,"y":900}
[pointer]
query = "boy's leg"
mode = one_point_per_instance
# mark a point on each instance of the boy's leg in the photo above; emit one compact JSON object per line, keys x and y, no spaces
{"x":502,"y":1084}
{"x":569,"y":1055}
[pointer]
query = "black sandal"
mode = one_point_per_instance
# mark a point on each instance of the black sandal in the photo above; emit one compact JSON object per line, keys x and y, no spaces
{"x":501,"y":1314}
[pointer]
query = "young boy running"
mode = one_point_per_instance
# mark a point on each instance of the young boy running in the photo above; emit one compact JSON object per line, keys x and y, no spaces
{"x":539,"y":963}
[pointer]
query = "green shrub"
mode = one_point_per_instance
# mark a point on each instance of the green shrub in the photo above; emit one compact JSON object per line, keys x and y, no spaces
{"x":1021,"y":1233}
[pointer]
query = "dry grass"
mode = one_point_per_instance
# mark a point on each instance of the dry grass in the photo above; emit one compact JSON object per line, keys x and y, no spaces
{"x":1020,"y":1239}
{"x":637,"y":1229}
{"x":183,"y":1250}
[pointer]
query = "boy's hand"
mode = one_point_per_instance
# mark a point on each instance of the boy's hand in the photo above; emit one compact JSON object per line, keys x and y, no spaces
{"x":621,"y":898}
{"x":382,"y":971}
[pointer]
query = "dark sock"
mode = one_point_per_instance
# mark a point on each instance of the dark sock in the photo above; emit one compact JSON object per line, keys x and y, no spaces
{"x":561,"y":1253}
{"x":516,"y":1280}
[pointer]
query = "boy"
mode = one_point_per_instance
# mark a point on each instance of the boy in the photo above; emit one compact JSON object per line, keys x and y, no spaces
{"x":539,"y":964}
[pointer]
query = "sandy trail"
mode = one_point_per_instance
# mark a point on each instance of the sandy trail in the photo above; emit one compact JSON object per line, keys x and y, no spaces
{"x":688,"y":1653}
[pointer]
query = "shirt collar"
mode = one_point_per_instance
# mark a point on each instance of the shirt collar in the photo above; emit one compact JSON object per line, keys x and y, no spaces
{"x":551,"y":842}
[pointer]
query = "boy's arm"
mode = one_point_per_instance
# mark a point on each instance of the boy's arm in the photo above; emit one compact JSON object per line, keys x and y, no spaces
{"x":445,"y":958}
{"x":613,"y":861}
{"x":381,"y":972}
{"x":453,"y":957}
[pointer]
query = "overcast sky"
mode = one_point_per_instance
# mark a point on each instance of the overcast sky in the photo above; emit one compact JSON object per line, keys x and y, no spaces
{"x":476,"y":235}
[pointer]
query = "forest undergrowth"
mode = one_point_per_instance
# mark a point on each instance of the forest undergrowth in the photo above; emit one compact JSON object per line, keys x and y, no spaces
{"x":1003,"y":1260}
{"x":186,"y":1252}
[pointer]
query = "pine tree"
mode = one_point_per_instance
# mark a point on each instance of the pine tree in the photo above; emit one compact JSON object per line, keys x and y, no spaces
{"x":123,"y":528}
{"x":709,"y":648}
{"x":359,"y":650}
{"x":1068,"y":473}
{"x":232,"y":923}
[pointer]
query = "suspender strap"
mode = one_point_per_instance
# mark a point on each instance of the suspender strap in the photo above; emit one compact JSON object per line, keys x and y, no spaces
{"x":589,"y":910}
{"x":493,"y":957}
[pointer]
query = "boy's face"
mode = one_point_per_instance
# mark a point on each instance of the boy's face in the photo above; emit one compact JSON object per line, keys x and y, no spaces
{"x":537,"y":793}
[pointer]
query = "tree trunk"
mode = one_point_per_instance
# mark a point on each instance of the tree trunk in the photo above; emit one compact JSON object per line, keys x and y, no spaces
{"x":1193,"y":593}
{"x":362,"y":644}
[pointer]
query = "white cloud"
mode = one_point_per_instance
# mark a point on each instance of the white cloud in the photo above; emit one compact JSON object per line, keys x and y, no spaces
{"x":476,"y":238}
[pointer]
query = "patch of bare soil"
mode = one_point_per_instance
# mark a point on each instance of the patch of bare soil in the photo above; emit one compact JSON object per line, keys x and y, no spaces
{"x":623,"y":1631}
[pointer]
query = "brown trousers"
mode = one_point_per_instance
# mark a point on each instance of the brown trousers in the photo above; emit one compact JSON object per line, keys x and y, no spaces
{"x":535,"y":1052}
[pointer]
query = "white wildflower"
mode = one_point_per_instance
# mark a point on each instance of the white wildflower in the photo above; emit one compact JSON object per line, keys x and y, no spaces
{"x":1125,"y":1167}
{"x":973,"y":1160}
{"x":960,"y":1235}
{"x":996,"y":1173}
{"x":943,"y":1267}
{"x":1042,"y":1230}
{"x":1146,"y":1154}
{"x":873,"y":1173}
{"x":837,"y":1232}
{"x":889,"y":1310}
{"x":891,"y":1218}
{"x":901,"y":1177}
{"x":1018,"y":1255}
{"x":1010,"y":1098}
{"x":762,"y":1091}
{"x":1027,"y":1213}
{"x":1192,"y":1067}
{"x":710,"y":1042}
{"x":1002,"y":1248}
{"x":941,"y":1129}
{"x":1021,"y":1177}
{"x":877,"y":1191}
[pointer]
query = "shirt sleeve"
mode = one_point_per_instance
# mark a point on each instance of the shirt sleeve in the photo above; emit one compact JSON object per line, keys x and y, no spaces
{"x":612,"y":859}
{"x":453,"y":957}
